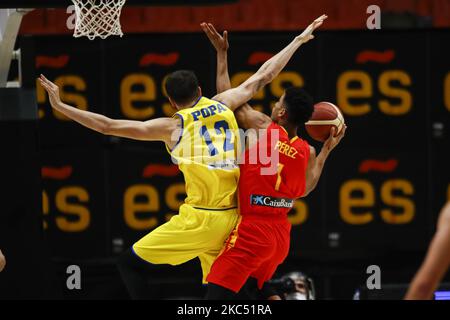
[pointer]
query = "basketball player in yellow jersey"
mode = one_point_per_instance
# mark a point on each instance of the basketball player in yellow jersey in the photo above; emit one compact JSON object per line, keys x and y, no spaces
{"x":201,"y":139}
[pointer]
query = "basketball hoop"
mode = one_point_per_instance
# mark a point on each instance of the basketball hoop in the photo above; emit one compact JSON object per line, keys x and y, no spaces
{"x":97,"y":18}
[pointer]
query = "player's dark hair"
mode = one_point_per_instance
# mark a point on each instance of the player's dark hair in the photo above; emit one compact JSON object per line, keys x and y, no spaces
{"x":181,"y":86}
{"x":299,"y":105}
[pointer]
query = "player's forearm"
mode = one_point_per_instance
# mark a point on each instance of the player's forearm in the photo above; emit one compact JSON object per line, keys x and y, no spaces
{"x":88,"y":119}
{"x":222,"y":79}
{"x":316,"y":172}
{"x":272,"y":67}
{"x":436,"y":264}
{"x":427,"y":278}
{"x":236,"y":97}
{"x":2,"y":261}
{"x":420,"y":290}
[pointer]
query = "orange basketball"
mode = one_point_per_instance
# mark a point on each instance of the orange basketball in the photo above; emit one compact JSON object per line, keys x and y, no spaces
{"x":325,"y":116}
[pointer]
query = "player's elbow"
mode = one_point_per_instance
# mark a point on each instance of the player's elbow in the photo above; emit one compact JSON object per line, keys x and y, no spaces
{"x":258,"y":81}
{"x":106,"y":127}
{"x":265,"y":78}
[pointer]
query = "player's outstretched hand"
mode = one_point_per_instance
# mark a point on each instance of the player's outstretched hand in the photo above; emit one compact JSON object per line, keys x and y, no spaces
{"x":52,"y":90}
{"x":219,"y":42}
{"x":333,"y":140}
{"x":307,"y":33}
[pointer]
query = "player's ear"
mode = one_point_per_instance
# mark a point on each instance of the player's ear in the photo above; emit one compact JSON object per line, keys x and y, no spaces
{"x":199,"y":91}
{"x":173,"y":104}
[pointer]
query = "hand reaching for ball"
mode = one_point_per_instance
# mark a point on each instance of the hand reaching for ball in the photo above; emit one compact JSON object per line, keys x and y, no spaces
{"x":333,"y":140}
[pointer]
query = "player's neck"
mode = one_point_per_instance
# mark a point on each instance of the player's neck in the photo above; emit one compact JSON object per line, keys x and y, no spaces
{"x":190,"y":104}
{"x":290,"y":129}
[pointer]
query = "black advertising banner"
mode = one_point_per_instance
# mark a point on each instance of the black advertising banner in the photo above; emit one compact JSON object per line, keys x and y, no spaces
{"x":138,"y":68}
{"x":375,"y":194}
{"x":307,"y":218}
{"x":248,"y":53}
{"x":76,"y":66}
{"x":379,"y":81}
{"x":380,"y":190}
{"x":440,"y":119}
{"x":145,"y":189}
{"x":370,"y":212}
{"x":73,"y":202}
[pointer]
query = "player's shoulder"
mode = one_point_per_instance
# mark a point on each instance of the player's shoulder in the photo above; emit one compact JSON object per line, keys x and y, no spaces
{"x":214,"y":105}
{"x":304,"y":147}
{"x":204,"y":108}
{"x":300,"y":142}
{"x":213,"y":100}
{"x":273,"y":126}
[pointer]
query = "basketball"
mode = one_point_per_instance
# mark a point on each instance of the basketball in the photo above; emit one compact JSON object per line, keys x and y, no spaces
{"x":325,"y":116}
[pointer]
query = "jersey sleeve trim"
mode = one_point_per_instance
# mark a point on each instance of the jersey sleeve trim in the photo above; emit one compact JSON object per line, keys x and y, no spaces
{"x":181,"y":133}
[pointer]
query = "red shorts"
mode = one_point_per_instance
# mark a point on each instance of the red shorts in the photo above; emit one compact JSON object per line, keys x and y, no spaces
{"x":254,"y":249}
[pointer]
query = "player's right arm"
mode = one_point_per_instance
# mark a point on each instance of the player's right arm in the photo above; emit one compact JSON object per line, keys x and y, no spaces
{"x":436,"y":263}
{"x":316,"y":163}
{"x":160,"y":129}
{"x":220,"y":43}
{"x":236,"y":97}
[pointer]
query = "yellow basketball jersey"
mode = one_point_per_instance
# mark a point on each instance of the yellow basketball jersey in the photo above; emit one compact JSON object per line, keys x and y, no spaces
{"x":207,"y":152}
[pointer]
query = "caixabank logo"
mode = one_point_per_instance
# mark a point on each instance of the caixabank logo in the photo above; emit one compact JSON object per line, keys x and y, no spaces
{"x":268,"y":201}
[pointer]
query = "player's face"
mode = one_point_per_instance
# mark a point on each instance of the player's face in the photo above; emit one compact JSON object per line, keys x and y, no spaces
{"x":278,"y":109}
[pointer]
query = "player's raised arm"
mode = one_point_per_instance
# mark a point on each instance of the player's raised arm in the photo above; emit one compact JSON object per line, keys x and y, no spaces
{"x":246,"y":116}
{"x":220,"y":43}
{"x":236,"y":97}
{"x":436,"y":263}
{"x":316,"y":163}
{"x":160,"y":129}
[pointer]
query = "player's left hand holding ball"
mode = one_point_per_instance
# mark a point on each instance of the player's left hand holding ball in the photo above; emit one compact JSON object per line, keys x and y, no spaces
{"x":333,"y":140}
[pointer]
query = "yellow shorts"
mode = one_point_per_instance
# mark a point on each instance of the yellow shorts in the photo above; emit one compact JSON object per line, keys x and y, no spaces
{"x":190,"y":234}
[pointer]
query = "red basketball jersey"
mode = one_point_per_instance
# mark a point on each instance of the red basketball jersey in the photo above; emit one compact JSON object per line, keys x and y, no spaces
{"x":273,"y":194}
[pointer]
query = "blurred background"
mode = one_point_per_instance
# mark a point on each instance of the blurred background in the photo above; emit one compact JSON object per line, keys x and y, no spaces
{"x":71,"y":196}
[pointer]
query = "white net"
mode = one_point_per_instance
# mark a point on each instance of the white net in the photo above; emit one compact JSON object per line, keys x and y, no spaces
{"x":98,"y":18}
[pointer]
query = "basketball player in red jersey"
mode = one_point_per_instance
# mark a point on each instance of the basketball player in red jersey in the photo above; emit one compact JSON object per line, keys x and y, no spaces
{"x":260,"y":241}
